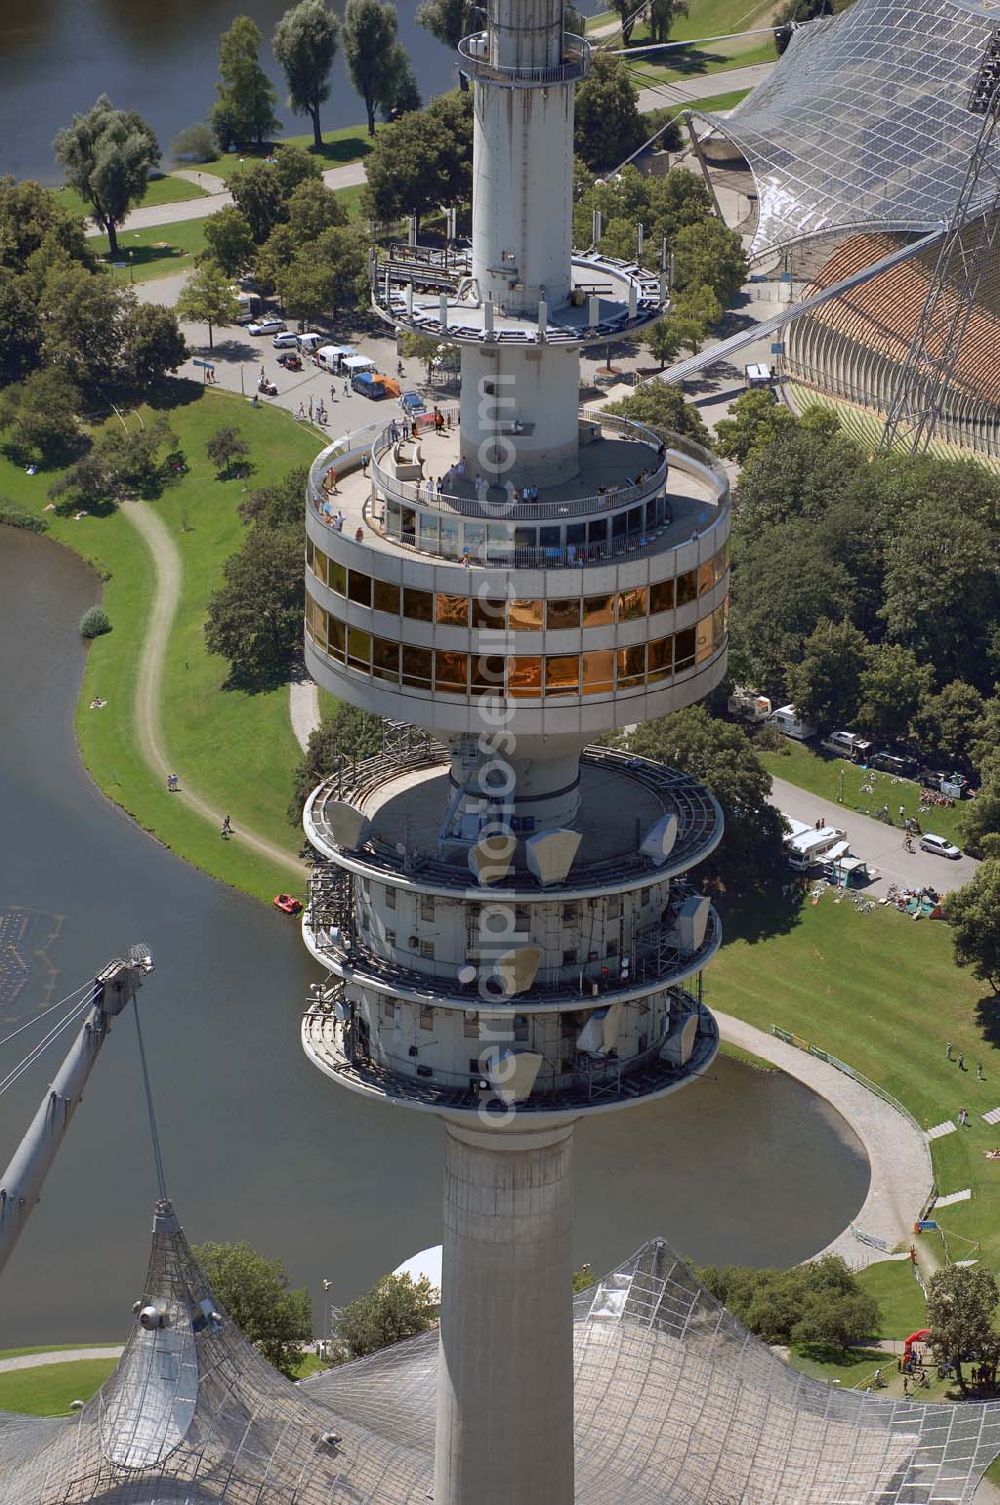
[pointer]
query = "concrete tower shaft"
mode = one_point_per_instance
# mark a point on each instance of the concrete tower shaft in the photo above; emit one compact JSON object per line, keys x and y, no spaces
{"x":525,"y":33}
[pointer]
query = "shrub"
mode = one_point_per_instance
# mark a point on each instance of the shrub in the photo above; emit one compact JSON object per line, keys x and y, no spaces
{"x":94,"y":622}
{"x":15,"y":517}
{"x":195,"y":143}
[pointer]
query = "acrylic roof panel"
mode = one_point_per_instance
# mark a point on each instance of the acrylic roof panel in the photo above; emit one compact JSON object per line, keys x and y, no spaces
{"x":864,"y":120}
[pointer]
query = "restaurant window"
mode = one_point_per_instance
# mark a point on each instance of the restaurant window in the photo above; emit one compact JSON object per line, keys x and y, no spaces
{"x":684,"y":650}
{"x":661,"y":659}
{"x":525,"y":616}
{"x":337,"y":636}
{"x":719,"y":626}
{"x":426,"y":1019}
{"x":427,"y":907}
{"x":359,"y":588}
{"x":489,"y":613}
{"x":597,"y":671}
{"x":719,"y":563}
{"x":385,"y":659}
{"x":633,"y":604}
{"x":359,"y":648}
{"x":451,"y":533}
{"x":310,"y":551}
{"x":450,"y":671}
{"x":385,"y":597}
{"x":524,"y":676}
{"x":319,"y":566}
{"x":451,"y":611}
{"x":562,"y":614}
{"x":562,"y":675}
{"x":598,"y":611}
{"x":597,"y":532}
{"x":418,"y":605}
{"x":390,"y":896}
{"x":336,"y":577}
{"x":429,"y":532}
{"x":703,"y":640}
{"x":487,"y":674}
{"x":520,"y":1028}
{"x":316,"y":621}
{"x":687,"y":587}
{"x":631,"y":666}
{"x":706,"y":576}
{"x":661,"y":596}
{"x":417,"y":666}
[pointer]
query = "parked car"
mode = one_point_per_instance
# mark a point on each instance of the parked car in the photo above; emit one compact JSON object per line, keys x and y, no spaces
{"x":309,"y":342}
{"x":291,"y":360}
{"x":265,"y":326}
{"x":286,"y":340}
{"x":847,"y":745}
{"x":412,"y":404}
{"x":903,"y":767}
{"x":938,"y":846}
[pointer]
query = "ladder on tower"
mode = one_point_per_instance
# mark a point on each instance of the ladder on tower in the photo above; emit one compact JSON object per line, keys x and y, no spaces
{"x":969,"y":243}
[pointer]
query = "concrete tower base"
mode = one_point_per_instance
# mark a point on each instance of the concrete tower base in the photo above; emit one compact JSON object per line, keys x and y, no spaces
{"x":505,"y":1386}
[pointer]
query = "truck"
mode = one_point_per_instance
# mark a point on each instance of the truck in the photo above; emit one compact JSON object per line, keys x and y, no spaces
{"x":750,"y":706}
{"x":848,"y":745}
{"x":814,"y":846}
{"x":787,"y":719}
{"x":758,"y":375}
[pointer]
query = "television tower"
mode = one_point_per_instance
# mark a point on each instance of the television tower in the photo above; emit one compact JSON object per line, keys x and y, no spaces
{"x":505,"y":918}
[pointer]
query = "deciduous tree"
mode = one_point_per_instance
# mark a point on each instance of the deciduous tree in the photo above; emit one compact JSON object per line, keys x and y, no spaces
{"x":946,"y":725}
{"x":825,"y":685}
{"x":207,"y":298}
{"x":313,"y":208}
{"x":370,"y":28}
{"x":418,"y":164}
{"x":228,"y":451}
{"x":661,"y":16}
{"x":709,"y":254}
{"x":40,"y":418}
{"x":608,"y":127}
{"x":961,"y":1304}
{"x":255,"y":617}
{"x":973,"y":912}
{"x":893,"y":685}
{"x":106,"y":155}
{"x":819,"y":1303}
{"x":229,"y":240}
{"x":257,"y":195}
{"x":256,"y":1294}
{"x":152,"y":345}
{"x":305,"y":43}
{"x":397,"y":1307}
{"x":662,"y":406}
{"x":244,"y":111}
{"x":448,"y":20}
{"x":756,"y":419}
{"x":84,"y":323}
{"x":349,"y":733}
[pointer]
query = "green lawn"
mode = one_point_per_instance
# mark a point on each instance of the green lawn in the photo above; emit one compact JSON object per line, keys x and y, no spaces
{"x":346,"y":145}
{"x":158,"y":251}
{"x":823,"y":774}
{"x":236,"y":749}
{"x":706,"y":18}
{"x":693,"y":63}
{"x":718,"y":103}
{"x":19,"y":1353}
{"x":165,"y":190}
{"x":50,"y":1389}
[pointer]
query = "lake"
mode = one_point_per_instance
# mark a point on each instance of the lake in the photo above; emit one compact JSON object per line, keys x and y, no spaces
{"x":744,"y":1167}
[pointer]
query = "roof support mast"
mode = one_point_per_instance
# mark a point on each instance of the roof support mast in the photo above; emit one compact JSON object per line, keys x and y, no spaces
{"x":966,"y":251}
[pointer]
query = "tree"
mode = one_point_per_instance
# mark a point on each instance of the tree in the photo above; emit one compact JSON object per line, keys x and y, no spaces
{"x":628,"y":14}
{"x":661,"y":16}
{"x":691,"y":315}
{"x":946,"y":725}
{"x":608,"y":127}
{"x":825,"y":685}
{"x":292,"y":166}
{"x":402,"y":92}
{"x":207,"y":298}
{"x":257,"y":195}
{"x":325,"y":277}
{"x":756,"y":419}
{"x":722,"y":756}
{"x":973,"y":912}
{"x":662,"y":406}
{"x":35,"y":229}
{"x":961,"y":1302}
{"x":195,"y":143}
{"x":893,"y":685}
{"x":448,"y":20}
{"x":228,"y":450}
{"x":106,"y":155}
{"x":40,"y":417}
{"x":94,"y":622}
{"x":229,"y":240}
{"x":311,"y":209}
{"x":84,"y":323}
{"x":397,"y":1307}
{"x":122,"y":462}
{"x":305,"y":44}
{"x":663,"y":341}
{"x":420,"y":163}
{"x":20,"y":326}
{"x":819,"y":1303}
{"x":421,"y":347}
{"x":152,"y":346}
{"x":348,"y":733}
{"x":279,"y":506}
{"x":369,"y":39}
{"x":244,"y":111}
{"x":709,"y":254}
{"x":255,"y":617}
{"x":981,"y":818}
{"x":255,"y":1292}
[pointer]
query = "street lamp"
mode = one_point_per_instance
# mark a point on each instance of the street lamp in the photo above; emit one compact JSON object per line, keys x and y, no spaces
{"x":840,"y":790}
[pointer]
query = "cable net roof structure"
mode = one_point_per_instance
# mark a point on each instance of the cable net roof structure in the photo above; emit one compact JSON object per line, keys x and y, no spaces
{"x":864,"y":120}
{"x":676,"y":1404}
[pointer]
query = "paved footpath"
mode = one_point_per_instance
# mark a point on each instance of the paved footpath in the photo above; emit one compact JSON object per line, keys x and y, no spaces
{"x":880,"y":845}
{"x":708,"y":86}
{"x":61,"y":1356}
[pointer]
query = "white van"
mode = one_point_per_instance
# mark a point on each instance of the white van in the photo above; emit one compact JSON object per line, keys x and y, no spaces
{"x":848,"y":745}
{"x":329,"y":357}
{"x":309,"y":343}
{"x":813,"y":846}
{"x":787,"y":719}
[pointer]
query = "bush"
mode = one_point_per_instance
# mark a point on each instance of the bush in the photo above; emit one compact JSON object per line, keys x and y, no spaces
{"x":195,"y":143}
{"x":94,"y":622}
{"x":15,"y":517}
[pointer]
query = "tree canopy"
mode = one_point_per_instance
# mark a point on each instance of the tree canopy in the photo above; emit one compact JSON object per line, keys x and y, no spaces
{"x":348,"y":733}
{"x":662,"y":406}
{"x":607,"y":125}
{"x":256,"y":1294}
{"x":448,"y":20}
{"x":397,"y":1307}
{"x":422,"y":162}
{"x":973,"y":912}
{"x":369,"y":33}
{"x":820,"y":1303}
{"x":961,"y":1304}
{"x":106,"y":155}
{"x":305,"y":44}
{"x":208,"y":298}
{"x":229,"y":240}
{"x":244,"y":111}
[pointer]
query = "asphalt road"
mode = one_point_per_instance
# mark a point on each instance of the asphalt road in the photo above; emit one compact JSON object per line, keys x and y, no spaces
{"x":880,"y":845}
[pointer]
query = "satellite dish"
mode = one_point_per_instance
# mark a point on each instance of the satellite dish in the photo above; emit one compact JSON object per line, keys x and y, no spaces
{"x":550,"y":854}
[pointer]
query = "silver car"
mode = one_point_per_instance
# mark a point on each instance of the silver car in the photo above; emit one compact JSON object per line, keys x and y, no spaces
{"x":938,"y":846}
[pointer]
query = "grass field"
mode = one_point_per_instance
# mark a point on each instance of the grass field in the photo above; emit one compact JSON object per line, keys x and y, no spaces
{"x":159,"y":251}
{"x":718,"y":102}
{"x":677,"y":66}
{"x":823,"y":774}
{"x":348,"y":144}
{"x":20,"y":1353}
{"x":50,"y":1389}
{"x":165,"y":190}
{"x":235,"y":748}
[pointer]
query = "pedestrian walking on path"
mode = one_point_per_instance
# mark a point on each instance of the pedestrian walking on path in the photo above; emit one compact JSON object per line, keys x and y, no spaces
{"x":961,"y":1062}
{"x":227,"y":828}
{"x":949,"y":1052}
{"x":980,"y":1077}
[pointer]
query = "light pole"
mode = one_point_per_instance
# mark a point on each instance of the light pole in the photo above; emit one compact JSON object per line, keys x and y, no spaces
{"x":840,"y":790}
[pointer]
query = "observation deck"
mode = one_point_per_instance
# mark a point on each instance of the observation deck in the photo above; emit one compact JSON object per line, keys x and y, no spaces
{"x":474,"y":51}
{"x":432,"y":291}
{"x":405,"y":805}
{"x":609,"y":1084}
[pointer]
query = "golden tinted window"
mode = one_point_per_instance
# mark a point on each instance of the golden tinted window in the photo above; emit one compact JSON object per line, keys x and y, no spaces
{"x":417,"y":666}
{"x":597,"y":671}
{"x":661,"y":658}
{"x":487,"y":673}
{"x":524,"y":676}
{"x":562,"y":614}
{"x":489,"y":612}
{"x":525,"y":616}
{"x":684,"y":650}
{"x":631,"y":665}
{"x":450,"y":670}
{"x":359,"y":588}
{"x":359,"y":647}
{"x":687,"y":587}
{"x":321,"y":566}
{"x":385,"y":597}
{"x":598,"y":611}
{"x":661,"y":596}
{"x":633,"y":604}
{"x":451,"y":611}
{"x":337,"y":633}
{"x":385,"y":658}
{"x":706,"y":576}
{"x":562,"y":674}
{"x":418,"y":605}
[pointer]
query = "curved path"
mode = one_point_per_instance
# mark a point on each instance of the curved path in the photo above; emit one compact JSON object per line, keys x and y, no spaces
{"x":901,"y":1171}
{"x":149,"y":733}
{"x":60,"y":1356}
